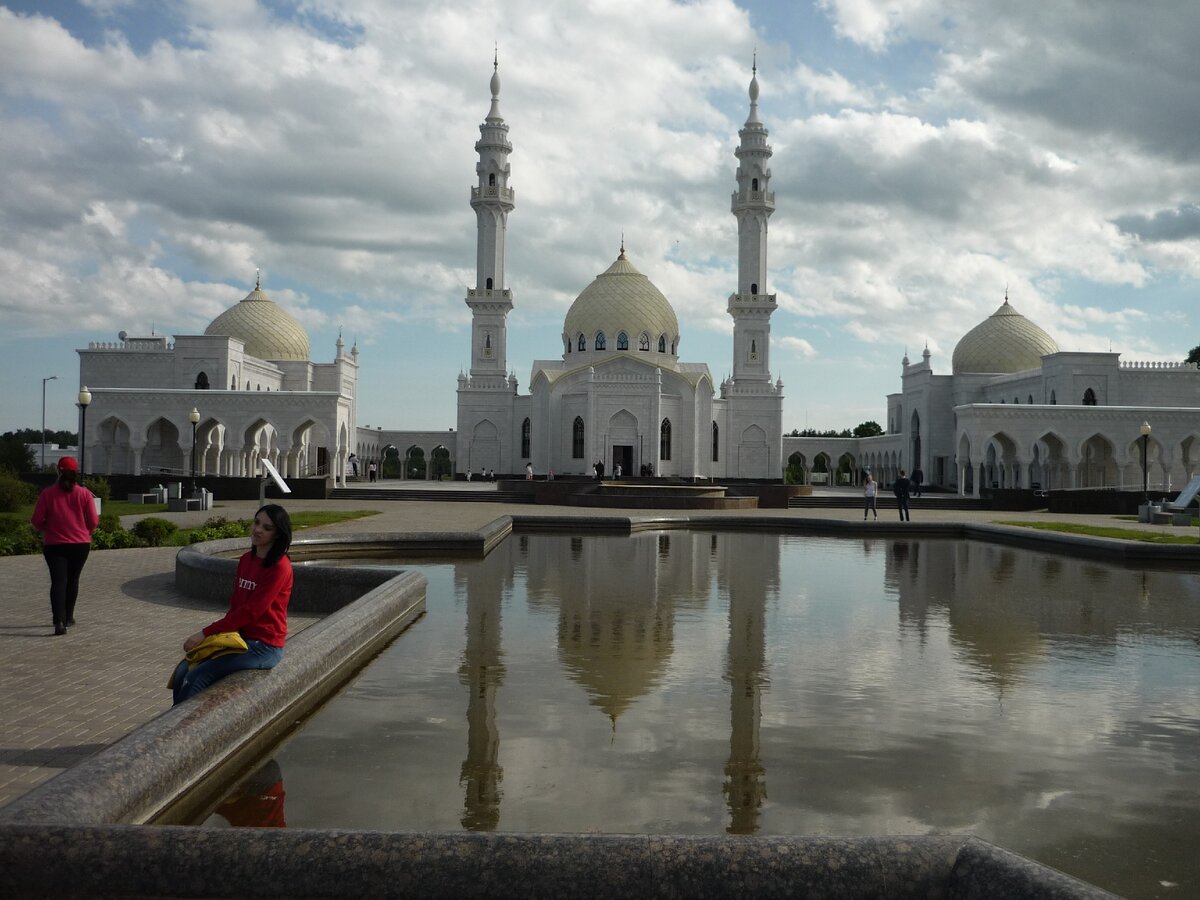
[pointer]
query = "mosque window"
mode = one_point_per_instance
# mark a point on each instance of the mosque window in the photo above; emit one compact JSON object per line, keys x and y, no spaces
{"x":582,"y":342}
{"x":664,"y":439}
{"x":754,"y":184}
{"x":644,"y":341}
{"x":1030,"y":400}
{"x":202,"y":382}
{"x":716,"y":442}
{"x":622,"y":341}
{"x":662,"y":343}
{"x":1017,"y":401}
{"x":567,"y":341}
{"x":601,"y":341}
{"x":754,"y":288}
{"x":491,"y":179}
{"x":488,"y":284}
{"x":1053,"y":399}
{"x":526,"y":438}
{"x":247,"y":385}
{"x":233,"y":383}
{"x":577,"y":439}
{"x":673,"y":346}
{"x":1089,"y":397}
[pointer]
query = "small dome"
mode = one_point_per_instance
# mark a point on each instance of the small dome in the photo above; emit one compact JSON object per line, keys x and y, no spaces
{"x":622,"y":299}
{"x":268,"y":330}
{"x":1002,"y":343}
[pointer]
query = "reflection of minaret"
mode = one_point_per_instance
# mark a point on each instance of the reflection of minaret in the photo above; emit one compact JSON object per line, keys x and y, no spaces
{"x":745,"y":778}
{"x":482,"y":671}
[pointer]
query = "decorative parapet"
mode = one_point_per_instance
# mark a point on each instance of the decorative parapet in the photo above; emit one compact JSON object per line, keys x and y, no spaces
{"x":1145,"y":365}
{"x":493,"y":192}
{"x":752,"y":199}
{"x":488,"y":293}
{"x":139,"y":346}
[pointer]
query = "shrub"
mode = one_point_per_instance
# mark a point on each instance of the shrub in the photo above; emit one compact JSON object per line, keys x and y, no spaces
{"x":18,"y":538}
{"x":98,"y":486}
{"x":15,"y":493}
{"x":109,"y":535}
{"x":218,"y":528}
{"x":154,"y":531}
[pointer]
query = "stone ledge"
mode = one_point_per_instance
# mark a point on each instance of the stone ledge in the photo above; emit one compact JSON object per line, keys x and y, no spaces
{"x":64,"y":861}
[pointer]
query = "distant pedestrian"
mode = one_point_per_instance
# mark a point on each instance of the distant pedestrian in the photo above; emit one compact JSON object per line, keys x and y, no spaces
{"x":371,"y":470}
{"x":66,"y":516}
{"x":900,"y":487}
{"x":354,"y":465}
{"x":617,"y":471}
{"x":870,"y":492}
{"x":600,"y":470}
{"x":918,"y":478}
{"x":529,"y":471}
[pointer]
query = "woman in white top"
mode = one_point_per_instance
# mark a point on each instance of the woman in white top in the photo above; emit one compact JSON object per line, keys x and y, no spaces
{"x":870,"y":492}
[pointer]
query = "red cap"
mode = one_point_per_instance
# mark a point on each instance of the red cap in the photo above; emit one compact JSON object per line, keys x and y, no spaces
{"x":68,"y":464}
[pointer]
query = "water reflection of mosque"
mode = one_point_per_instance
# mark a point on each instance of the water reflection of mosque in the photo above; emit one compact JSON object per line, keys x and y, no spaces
{"x":617,"y":643}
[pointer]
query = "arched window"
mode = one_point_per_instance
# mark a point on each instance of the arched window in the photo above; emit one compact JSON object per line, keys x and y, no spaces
{"x":662,"y":343}
{"x":488,"y":284}
{"x":233,"y":383}
{"x":664,"y":439}
{"x":644,"y":341}
{"x":601,"y":342}
{"x":582,"y":342}
{"x":1053,"y":399}
{"x":716,"y":442}
{"x":491,"y":179}
{"x":754,"y":288}
{"x":622,"y":341}
{"x":526,"y":439}
{"x":577,"y":439}
{"x":672,"y":348}
{"x":202,"y":382}
{"x":754,"y":184}
{"x":1030,"y":400}
{"x":567,"y":341}
{"x":1017,"y":400}
{"x":1089,"y":397}
{"x":247,"y":384}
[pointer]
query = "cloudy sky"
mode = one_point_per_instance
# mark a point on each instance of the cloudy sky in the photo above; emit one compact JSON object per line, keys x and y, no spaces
{"x":929,"y":155}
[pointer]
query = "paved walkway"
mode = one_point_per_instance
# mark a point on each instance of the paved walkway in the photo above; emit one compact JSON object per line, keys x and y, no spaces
{"x":65,"y":698}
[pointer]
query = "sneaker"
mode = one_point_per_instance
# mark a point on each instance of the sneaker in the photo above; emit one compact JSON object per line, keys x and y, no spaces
{"x":60,"y":629}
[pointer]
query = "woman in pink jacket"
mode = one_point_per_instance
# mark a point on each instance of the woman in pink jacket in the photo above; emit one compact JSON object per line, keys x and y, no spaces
{"x":66,"y":516}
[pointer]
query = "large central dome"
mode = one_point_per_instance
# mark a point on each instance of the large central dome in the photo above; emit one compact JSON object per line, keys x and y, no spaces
{"x":267,"y":329}
{"x":1004,"y":342}
{"x":621,"y":300}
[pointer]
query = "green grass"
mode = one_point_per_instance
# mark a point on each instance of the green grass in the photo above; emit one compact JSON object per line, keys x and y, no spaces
{"x":300,"y":521}
{"x":1121,"y":534}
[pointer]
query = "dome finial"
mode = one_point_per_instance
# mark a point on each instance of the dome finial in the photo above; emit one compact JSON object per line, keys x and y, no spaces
{"x":258,"y":279}
{"x":622,"y":256}
{"x":752,"y":119}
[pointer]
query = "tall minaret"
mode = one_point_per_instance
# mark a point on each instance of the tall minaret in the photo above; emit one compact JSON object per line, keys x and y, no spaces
{"x":752,"y":204}
{"x":492,"y":200}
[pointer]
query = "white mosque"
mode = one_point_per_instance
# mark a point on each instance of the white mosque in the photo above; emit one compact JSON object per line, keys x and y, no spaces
{"x":1015,"y":412}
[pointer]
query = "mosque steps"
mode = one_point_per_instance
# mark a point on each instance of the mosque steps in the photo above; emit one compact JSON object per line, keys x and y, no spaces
{"x":886,"y":501}
{"x":356,"y":493}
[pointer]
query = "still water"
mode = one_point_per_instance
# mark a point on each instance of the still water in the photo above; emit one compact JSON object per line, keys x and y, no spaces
{"x":687,"y":682}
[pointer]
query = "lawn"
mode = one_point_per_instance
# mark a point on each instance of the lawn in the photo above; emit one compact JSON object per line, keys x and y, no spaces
{"x":1120,"y":534}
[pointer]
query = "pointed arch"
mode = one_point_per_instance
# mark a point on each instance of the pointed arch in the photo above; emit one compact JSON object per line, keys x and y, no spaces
{"x":577,"y":435}
{"x":664,"y":439}
{"x":622,"y":341}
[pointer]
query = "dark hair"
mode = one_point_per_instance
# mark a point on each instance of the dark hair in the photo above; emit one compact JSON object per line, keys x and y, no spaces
{"x":67,"y":479}
{"x":283,"y":532}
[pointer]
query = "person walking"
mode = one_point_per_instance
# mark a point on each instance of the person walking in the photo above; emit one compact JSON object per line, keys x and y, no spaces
{"x":66,"y":516}
{"x":371,"y":470}
{"x":918,"y":478}
{"x":900,"y":487}
{"x":870,"y":492}
{"x":257,"y":609}
{"x":529,"y":471}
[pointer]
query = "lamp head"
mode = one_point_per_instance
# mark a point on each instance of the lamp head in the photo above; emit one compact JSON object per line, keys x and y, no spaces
{"x":1145,"y":429}
{"x":194,"y":416}
{"x":85,"y":396}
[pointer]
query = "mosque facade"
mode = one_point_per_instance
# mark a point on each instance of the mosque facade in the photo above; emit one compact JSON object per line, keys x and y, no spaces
{"x":248,"y":383}
{"x":620,"y":393}
{"x":1017,"y":412}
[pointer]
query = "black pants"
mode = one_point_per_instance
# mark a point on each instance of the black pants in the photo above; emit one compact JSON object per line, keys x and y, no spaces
{"x":65,"y":562}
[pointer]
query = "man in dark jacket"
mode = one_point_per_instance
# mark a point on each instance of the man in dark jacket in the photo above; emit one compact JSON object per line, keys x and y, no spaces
{"x":900,"y":488}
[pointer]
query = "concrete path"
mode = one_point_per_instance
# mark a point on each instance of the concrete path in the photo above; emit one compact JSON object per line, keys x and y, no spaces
{"x":65,"y":698}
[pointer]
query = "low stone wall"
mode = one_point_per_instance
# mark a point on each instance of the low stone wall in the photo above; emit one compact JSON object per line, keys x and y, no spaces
{"x":254,"y":862}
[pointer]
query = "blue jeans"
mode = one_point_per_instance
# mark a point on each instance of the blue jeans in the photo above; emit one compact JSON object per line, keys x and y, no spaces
{"x":257,"y":656}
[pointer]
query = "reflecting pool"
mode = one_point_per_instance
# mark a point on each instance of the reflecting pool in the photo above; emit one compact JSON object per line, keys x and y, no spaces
{"x":698,"y":682}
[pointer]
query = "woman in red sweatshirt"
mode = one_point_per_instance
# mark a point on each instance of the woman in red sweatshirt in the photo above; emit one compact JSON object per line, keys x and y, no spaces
{"x":66,"y":516}
{"x":257,"y":609}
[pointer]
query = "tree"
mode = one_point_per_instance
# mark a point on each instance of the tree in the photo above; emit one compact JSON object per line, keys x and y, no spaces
{"x":1194,"y":356}
{"x":868,"y":429}
{"x":15,"y":455}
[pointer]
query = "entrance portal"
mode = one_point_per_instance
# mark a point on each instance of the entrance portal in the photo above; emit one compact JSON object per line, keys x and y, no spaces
{"x":622,"y":455}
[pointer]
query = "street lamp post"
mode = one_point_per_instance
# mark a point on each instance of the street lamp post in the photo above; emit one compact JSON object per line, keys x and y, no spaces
{"x":1145,"y":430}
{"x":44,"y":380}
{"x":194,"y":418}
{"x":85,"y":397}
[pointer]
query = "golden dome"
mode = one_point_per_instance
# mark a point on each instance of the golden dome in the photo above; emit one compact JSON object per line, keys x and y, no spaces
{"x":268,"y":330}
{"x":621,"y":299}
{"x":1004,"y":342}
